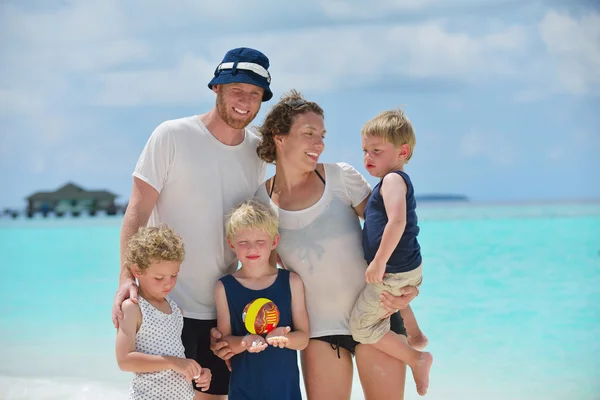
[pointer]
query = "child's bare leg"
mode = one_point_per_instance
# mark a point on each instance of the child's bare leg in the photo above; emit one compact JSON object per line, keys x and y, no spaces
{"x":418,"y":361}
{"x":416,"y":338}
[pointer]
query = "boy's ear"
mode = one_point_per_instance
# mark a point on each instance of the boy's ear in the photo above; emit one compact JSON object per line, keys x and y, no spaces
{"x":230,"y":245}
{"x":135,"y":271}
{"x":404,"y":151}
{"x":275,"y":242}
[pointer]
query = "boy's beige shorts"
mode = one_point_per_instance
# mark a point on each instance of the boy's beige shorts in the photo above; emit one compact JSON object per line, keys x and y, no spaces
{"x":366,"y":324}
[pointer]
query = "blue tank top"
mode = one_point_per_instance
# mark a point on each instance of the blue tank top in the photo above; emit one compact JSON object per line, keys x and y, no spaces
{"x":407,"y":255}
{"x":273,"y":373}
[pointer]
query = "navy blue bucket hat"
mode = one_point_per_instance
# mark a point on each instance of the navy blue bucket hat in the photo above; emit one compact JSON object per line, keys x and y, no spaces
{"x":244,"y":65}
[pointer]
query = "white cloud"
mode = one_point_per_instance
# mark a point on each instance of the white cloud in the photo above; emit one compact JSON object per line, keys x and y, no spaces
{"x":325,"y":59}
{"x":574,"y":48}
{"x":382,"y":8}
{"x":83,"y":37}
{"x":183,"y":83}
{"x":49,"y":59}
{"x":114,"y":53}
{"x":114,"y":48}
{"x":50,"y":55}
{"x":571,"y":61}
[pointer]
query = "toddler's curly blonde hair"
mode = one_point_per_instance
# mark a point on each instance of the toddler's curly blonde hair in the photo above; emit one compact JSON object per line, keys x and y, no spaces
{"x":152,"y":244}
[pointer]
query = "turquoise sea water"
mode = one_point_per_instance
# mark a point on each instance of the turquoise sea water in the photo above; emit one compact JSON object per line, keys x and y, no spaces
{"x":509,"y":303}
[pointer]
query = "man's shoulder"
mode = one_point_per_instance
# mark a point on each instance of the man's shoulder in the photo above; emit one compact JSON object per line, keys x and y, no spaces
{"x":261,"y":194}
{"x":177,"y":129}
{"x":180,"y":123}
{"x":251,"y":142}
{"x":253,"y":136}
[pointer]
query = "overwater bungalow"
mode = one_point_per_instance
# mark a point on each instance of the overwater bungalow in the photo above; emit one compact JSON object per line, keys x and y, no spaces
{"x":72,"y":199}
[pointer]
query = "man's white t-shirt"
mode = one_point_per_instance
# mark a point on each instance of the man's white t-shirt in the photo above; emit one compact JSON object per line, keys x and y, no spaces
{"x":323,"y":244}
{"x":199,"y":180}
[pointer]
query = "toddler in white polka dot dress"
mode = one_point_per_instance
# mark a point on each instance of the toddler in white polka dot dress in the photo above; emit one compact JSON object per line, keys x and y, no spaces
{"x":149,"y":335}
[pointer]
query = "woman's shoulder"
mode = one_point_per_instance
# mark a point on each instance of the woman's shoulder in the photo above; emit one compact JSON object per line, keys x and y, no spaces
{"x":343,"y":172}
{"x":350,"y":182}
{"x":341,"y":167}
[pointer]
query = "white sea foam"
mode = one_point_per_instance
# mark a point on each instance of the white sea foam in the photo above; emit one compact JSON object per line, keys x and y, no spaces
{"x":22,"y":388}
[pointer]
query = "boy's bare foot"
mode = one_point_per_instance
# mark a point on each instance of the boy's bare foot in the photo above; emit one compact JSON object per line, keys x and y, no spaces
{"x":418,"y":342}
{"x":421,"y":372}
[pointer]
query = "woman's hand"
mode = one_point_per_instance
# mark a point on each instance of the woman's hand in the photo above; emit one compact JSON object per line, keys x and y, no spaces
{"x":393,"y":304}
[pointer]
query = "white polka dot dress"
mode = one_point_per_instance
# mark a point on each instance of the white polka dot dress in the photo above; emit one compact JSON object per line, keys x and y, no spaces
{"x":160,"y":334}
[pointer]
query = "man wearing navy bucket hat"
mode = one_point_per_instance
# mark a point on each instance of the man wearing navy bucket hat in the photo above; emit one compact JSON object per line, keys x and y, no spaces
{"x":191,"y":173}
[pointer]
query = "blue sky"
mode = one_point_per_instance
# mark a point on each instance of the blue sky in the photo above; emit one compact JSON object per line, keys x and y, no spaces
{"x":504,"y":95}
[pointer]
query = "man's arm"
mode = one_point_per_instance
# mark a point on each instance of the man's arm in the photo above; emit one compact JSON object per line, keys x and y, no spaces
{"x":142,"y":201}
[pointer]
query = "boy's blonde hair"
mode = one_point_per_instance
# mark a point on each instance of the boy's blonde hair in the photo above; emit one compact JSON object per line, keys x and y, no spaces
{"x":152,"y":244}
{"x":393,"y":127}
{"x":252,"y":214}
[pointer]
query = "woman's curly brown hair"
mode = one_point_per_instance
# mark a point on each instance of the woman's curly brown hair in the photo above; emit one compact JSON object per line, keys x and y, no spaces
{"x":280,"y":119}
{"x":152,"y":244}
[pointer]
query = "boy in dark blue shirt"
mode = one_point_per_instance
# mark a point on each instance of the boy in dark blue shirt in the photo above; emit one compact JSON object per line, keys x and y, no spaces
{"x":265,"y":366}
{"x":389,"y":240}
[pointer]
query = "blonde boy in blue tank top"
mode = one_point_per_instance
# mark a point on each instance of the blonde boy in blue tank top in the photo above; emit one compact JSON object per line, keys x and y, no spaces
{"x":264,"y":366}
{"x":389,"y":240}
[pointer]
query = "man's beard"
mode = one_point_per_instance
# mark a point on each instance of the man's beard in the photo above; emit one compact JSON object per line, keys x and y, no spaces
{"x":224,"y":112}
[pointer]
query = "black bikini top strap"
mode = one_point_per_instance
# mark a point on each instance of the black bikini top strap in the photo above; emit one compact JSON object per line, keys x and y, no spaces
{"x":272,"y":186}
{"x":273,"y":182}
{"x":320,"y":177}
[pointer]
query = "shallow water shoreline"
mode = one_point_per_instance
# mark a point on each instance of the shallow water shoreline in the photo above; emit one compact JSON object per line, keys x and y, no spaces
{"x":502,"y":291}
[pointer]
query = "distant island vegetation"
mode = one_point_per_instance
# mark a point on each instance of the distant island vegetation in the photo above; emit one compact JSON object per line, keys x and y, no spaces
{"x":441,"y":197}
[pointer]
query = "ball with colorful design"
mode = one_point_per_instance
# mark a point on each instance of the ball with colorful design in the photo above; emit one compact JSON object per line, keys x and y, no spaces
{"x":260,"y":316}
